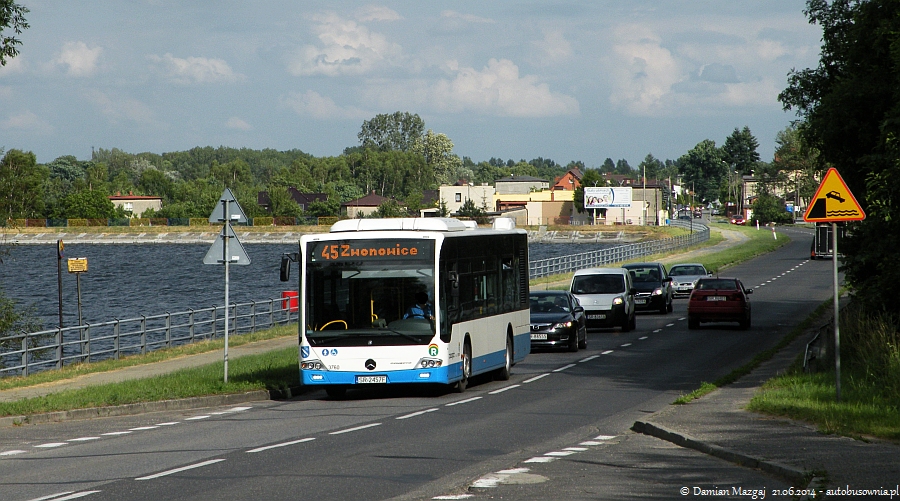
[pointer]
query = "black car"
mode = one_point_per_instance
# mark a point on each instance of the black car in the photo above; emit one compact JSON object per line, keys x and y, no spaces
{"x":557,"y":320}
{"x":653,"y":285}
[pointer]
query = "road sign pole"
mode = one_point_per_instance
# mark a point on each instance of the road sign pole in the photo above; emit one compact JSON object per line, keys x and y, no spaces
{"x":226,"y":258}
{"x":837,"y":320}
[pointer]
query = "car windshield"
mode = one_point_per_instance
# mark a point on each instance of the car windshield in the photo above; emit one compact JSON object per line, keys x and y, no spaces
{"x":686,"y":270}
{"x":647,"y":274}
{"x":718,"y":284}
{"x":549,"y":304}
{"x":598,"y":284}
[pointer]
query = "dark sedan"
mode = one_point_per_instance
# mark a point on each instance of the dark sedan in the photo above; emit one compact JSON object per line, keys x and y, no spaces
{"x":719,"y":300}
{"x":557,"y":320}
{"x":654,"y":286}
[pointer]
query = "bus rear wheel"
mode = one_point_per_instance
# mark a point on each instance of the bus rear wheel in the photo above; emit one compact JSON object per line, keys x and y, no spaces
{"x":504,"y":372}
{"x":466,"y":368}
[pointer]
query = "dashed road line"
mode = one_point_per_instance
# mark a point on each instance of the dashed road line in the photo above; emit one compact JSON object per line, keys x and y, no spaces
{"x":535,"y":378}
{"x":564,"y":368}
{"x":414,"y":414}
{"x":179,"y":470}
{"x":357,"y":428}
{"x":283,"y":444}
{"x":501,"y":390}
{"x":463,"y":401}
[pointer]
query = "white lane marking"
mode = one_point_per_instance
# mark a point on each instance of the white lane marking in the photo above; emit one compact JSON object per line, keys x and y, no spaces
{"x":588,"y":359}
{"x":670,"y":325}
{"x":51,"y":496}
{"x":604,"y":437}
{"x":455,"y":496}
{"x":348,"y":430}
{"x":564,"y":368}
{"x":51,"y":445}
{"x":66,"y":496}
{"x":82,"y":439}
{"x":285,"y":444}
{"x":535,"y":378}
{"x":170,"y":423}
{"x":607,"y":352}
{"x":11,"y":453}
{"x":143,"y":428}
{"x":575,"y":449}
{"x":414,"y":414}
{"x":179,"y":470}
{"x":540,"y":459}
{"x":115,"y":433}
{"x":197,"y":418}
{"x":501,"y":390}
{"x":626,"y":345}
{"x":657,"y":330}
{"x":682,"y":318}
{"x":643,"y":338}
{"x":513,"y":471}
{"x":463,"y":401}
{"x":239,"y":409}
{"x":591,"y":442}
{"x":559,"y":453}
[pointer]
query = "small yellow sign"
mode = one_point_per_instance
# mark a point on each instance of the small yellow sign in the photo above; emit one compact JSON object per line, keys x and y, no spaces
{"x":833,"y":202}
{"x":77,"y":264}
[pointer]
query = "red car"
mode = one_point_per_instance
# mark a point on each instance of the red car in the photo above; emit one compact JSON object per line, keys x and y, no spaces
{"x":738,"y":220}
{"x":719,"y":300}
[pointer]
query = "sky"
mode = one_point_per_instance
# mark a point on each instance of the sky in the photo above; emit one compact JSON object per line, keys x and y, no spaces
{"x":562,"y":80}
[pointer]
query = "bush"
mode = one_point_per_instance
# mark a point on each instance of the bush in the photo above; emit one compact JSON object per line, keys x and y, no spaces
{"x":870,"y":344}
{"x":263,"y":221}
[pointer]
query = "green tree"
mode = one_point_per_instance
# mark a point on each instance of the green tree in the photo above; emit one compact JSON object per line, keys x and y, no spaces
{"x":281,"y":204}
{"x":739,"y":151}
{"x":89,"y":204}
{"x":12,"y":16}
{"x":389,"y":208}
{"x":468,"y":210}
{"x":652,"y":167}
{"x":438,"y":152}
{"x":397,"y":131}
{"x":21,"y":185}
{"x":769,"y":209}
{"x":849,"y":113}
{"x":703,"y":169}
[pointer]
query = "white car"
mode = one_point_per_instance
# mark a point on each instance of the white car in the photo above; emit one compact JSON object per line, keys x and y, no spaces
{"x":684,"y":276}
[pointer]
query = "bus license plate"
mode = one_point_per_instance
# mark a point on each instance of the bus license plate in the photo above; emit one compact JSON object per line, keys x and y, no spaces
{"x":538,"y":337}
{"x":370,"y":379}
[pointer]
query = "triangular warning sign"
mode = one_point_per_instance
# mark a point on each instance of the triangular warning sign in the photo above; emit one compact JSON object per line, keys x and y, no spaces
{"x":236,"y":253}
{"x":833,"y":202}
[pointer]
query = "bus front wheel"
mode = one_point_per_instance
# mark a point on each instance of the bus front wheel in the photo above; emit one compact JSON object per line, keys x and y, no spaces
{"x":466,"y":368}
{"x":504,"y":372}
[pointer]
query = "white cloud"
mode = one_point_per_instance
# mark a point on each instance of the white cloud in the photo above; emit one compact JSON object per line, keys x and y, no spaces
{"x":469,"y":18}
{"x":313,"y":104}
{"x":377,"y":13}
{"x":80,"y":59}
{"x":642,"y":72}
{"x":120,"y":109}
{"x":13,"y":66}
{"x":346,"y":48}
{"x":552,"y":49}
{"x":26,"y":121}
{"x":498,"y":89}
{"x":198,"y":70}
{"x":238,"y":124}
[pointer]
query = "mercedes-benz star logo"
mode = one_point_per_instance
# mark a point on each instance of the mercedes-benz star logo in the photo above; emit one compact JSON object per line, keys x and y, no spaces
{"x":370,"y":364}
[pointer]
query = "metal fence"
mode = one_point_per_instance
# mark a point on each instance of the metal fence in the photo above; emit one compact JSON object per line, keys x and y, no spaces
{"x":24,"y":354}
{"x":566,"y":264}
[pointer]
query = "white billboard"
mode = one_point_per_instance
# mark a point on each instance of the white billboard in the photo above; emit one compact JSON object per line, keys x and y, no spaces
{"x":604,"y":197}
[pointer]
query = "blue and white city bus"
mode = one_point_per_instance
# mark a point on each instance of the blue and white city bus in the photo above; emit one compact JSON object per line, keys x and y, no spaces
{"x":358,"y":282}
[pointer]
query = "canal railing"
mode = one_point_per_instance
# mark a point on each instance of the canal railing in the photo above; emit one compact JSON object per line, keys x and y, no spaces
{"x":27,"y":353}
{"x":620,"y":253}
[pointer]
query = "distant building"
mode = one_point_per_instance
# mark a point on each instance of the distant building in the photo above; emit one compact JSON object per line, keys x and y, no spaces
{"x":302,"y":199}
{"x":363,"y":206}
{"x":568,"y":181}
{"x":520,"y":185}
{"x":136,"y":204}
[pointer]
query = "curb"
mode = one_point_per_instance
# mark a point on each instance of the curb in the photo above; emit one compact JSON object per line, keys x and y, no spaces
{"x":139,"y":408}
{"x":682,"y":440}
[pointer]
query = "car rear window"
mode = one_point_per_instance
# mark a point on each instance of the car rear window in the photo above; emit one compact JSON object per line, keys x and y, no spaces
{"x":598,"y":284}
{"x":717,"y":284}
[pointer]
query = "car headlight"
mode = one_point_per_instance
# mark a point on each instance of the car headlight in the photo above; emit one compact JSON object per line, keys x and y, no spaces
{"x":657,"y":292}
{"x":562,"y":325}
{"x":618,"y":300}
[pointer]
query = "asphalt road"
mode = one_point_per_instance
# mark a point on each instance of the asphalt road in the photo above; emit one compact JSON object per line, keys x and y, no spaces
{"x":415,"y":443}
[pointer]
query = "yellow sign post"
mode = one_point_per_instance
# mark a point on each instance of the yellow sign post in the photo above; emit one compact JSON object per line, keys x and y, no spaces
{"x":78,"y":265}
{"x":834,"y":203}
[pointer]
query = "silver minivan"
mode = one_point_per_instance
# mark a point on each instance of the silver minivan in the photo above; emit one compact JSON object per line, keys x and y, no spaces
{"x":607,"y":296}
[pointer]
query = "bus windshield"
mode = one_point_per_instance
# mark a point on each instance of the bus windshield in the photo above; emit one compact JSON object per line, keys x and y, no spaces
{"x":356,"y":300}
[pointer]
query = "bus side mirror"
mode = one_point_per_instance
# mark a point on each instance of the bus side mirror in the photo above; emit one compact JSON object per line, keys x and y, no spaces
{"x":286,"y":260}
{"x":454,"y":283}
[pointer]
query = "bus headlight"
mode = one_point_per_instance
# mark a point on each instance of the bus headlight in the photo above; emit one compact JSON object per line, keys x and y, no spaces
{"x":429,"y":363}
{"x":312,"y":365}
